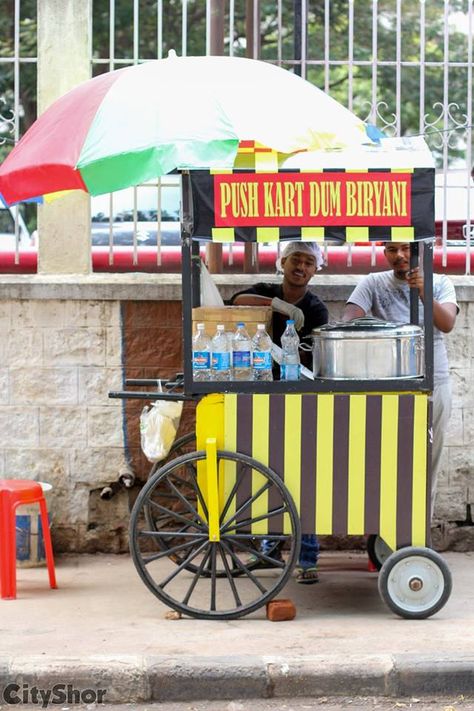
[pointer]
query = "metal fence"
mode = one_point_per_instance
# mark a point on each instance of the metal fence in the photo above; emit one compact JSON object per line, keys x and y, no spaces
{"x":404,"y":65}
{"x":17,"y":97}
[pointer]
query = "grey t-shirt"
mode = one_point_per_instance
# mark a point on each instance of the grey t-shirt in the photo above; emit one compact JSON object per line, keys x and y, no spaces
{"x":388,"y":298}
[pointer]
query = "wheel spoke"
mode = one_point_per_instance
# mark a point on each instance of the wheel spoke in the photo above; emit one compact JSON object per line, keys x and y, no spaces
{"x":168,"y":552}
{"x":182,"y":565}
{"x":243,"y":567}
{"x":230,"y":577}
{"x":247,"y":503}
{"x":249,"y":521}
{"x":169,"y":534}
{"x":230,"y":498}
{"x":192,"y":482}
{"x":178,"y":517}
{"x":256,"y":552}
{"x":183,"y":499}
{"x":176,"y":534}
{"x":196,"y":577}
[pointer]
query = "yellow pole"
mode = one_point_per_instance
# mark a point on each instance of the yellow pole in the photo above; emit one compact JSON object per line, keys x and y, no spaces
{"x":212,"y":489}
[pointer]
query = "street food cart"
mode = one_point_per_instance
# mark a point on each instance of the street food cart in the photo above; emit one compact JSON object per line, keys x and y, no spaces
{"x":273,"y":460}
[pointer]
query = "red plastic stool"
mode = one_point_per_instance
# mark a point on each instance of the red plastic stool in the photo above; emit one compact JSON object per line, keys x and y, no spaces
{"x":13,"y":493}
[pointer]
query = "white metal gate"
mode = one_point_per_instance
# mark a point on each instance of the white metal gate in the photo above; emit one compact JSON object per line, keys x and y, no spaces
{"x":405,"y":65}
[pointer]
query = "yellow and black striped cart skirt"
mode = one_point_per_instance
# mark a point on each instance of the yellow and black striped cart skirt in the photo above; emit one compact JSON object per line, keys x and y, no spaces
{"x":353,"y":463}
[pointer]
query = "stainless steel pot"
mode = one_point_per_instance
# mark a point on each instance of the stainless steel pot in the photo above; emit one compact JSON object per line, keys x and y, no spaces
{"x":368,"y":349}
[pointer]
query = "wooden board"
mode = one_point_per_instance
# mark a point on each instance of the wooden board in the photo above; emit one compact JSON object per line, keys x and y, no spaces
{"x":230,"y":316}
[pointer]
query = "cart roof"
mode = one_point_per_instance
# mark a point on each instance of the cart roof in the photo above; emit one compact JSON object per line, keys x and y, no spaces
{"x":367,"y":193}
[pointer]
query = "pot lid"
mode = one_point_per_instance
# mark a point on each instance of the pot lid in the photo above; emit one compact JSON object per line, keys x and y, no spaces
{"x":364,"y":323}
{"x":367,"y":324}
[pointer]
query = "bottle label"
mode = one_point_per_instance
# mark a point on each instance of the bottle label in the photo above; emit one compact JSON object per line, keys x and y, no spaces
{"x":290,"y":371}
{"x":241,"y":359}
{"x":221,"y":361}
{"x":262,"y":360}
{"x":201,"y":360}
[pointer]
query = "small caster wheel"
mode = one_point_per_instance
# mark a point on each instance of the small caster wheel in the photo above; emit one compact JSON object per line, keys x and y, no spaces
{"x":377,"y":550}
{"x":415,"y":582}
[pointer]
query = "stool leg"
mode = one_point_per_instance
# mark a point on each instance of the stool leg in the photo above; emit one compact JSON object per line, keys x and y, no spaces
{"x":7,"y":548}
{"x":48,"y":547}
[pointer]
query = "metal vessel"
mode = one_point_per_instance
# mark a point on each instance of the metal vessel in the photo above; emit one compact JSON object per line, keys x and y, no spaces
{"x":368,"y":349}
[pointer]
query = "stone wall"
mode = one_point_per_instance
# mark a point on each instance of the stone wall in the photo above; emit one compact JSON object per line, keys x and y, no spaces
{"x":57,"y":424}
{"x":62,"y":351}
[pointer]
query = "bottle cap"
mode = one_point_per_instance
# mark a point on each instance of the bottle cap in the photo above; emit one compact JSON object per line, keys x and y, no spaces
{"x":220,"y":327}
{"x":200,"y":326}
{"x":260,"y":326}
{"x":290,"y":322}
{"x":240,"y":323}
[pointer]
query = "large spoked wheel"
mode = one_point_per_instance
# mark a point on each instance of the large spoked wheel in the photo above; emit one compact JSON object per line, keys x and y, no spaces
{"x":415,"y":582}
{"x":172,"y":498}
{"x":213,"y":579}
{"x":377,"y":550}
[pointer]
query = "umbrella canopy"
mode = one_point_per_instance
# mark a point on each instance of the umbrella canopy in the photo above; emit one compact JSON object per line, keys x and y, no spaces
{"x":134,"y":124}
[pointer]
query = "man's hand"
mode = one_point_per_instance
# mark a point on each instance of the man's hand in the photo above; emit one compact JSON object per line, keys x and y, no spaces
{"x":290,"y":310}
{"x":415,"y":280}
{"x":444,"y":315}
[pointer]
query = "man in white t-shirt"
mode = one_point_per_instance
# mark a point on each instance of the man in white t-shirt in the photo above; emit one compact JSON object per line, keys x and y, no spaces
{"x":386,"y":295}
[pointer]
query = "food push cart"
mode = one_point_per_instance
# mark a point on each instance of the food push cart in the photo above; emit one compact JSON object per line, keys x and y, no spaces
{"x":273,"y":460}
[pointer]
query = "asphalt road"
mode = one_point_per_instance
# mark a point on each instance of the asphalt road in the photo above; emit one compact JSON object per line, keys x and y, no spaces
{"x":346,"y":703}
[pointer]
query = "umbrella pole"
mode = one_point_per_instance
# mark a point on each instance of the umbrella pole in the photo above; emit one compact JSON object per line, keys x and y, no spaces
{"x":187,"y":281}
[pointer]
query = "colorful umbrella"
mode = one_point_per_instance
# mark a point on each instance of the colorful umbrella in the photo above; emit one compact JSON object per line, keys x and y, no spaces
{"x":134,"y":124}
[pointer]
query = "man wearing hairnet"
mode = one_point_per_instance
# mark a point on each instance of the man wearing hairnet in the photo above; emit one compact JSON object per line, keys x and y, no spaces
{"x":292,"y":299}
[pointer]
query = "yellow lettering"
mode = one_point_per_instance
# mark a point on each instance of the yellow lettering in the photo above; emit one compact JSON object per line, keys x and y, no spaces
{"x":253,"y":200}
{"x":289,"y":200}
{"x":225,"y":198}
{"x":268,"y":201}
{"x":351,"y":201}
{"x":242,"y":200}
{"x":314,"y":199}
{"x":399,"y":198}
{"x":324,"y":200}
{"x":387,"y":204}
{"x":378,"y":194}
{"x":368,"y":206}
{"x":299,"y":187}
{"x":335,"y":199}
{"x":279,"y":206}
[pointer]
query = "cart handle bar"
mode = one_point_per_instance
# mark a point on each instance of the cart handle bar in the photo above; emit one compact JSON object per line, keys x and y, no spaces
{"x":137,"y":395}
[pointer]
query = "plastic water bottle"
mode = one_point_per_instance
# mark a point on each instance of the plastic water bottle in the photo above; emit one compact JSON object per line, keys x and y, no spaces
{"x":242,"y":354}
{"x":290,"y":355}
{"x":230,"y":337}
{"x":201,"y":354}
{"x":262,"y":354}
{"x":220,"y":362}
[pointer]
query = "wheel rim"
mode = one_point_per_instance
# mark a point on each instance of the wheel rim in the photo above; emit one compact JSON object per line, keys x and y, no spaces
{"x":416,"y":584}
{"x":204,"y":582}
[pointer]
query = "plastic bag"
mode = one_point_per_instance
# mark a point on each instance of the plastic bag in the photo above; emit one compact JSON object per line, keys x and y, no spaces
{"x":210,"y":295}
{"x":158,"y":426}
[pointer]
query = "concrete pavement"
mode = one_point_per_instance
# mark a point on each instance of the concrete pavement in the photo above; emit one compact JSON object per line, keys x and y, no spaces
{"x":103,"y":629}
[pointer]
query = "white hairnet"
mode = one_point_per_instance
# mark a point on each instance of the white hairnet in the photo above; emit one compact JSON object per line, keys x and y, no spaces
{"x":305,"y":248}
